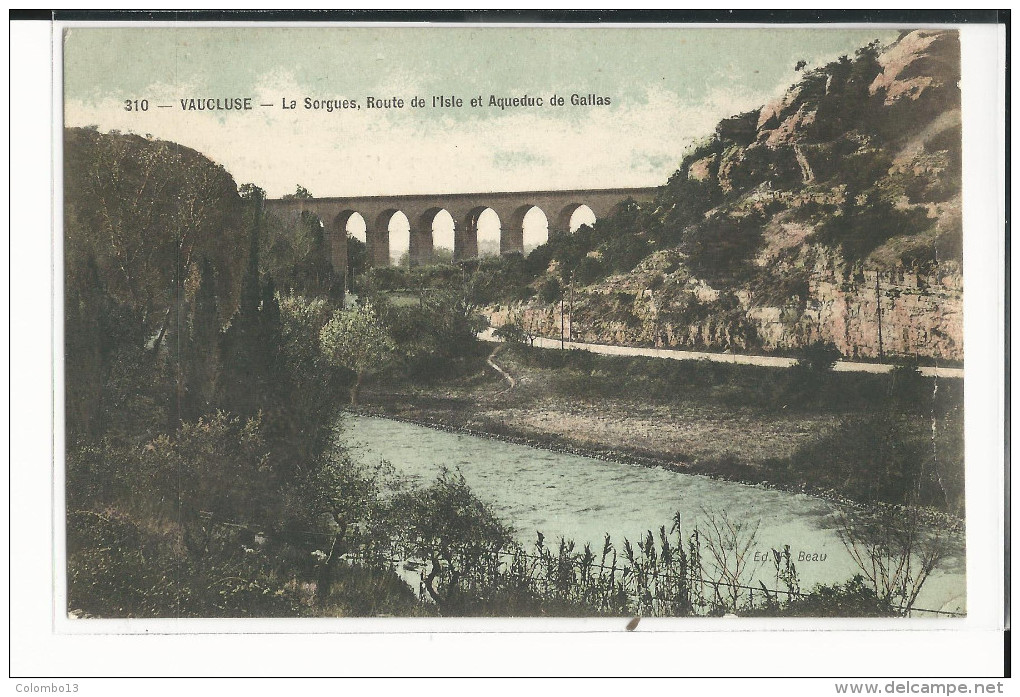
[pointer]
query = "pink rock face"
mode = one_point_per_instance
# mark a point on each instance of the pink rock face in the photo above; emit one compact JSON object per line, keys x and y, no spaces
{"x":792,"y":127}
{"x":919,"y":60}
{"x":920,"y":315}
{"x":700,"y":170}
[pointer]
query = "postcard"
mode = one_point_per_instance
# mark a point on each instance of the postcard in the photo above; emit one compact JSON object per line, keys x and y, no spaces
{"x":577,"y":321}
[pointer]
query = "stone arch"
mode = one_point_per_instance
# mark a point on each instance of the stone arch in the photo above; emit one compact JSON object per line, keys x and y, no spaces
{"x":512,"y":236}
{"x":336,"y":241}
{"x":562,"y":224}
{"x":444,"y":234}
{"x":421,"y":242}
{"x":378,"y":237}
{"x":466,"y":233}
{"x":472,"y":216}
{"x":344,"y":219}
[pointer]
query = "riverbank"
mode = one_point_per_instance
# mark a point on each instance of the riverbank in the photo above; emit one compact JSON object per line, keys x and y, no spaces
{"x":712,"y":428}
{"x":624,"y":456}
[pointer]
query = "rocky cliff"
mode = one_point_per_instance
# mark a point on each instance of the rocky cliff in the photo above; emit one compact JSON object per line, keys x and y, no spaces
{"x":832,"y":214}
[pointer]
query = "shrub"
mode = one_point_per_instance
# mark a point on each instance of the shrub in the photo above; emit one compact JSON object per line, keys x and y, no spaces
{"x":854,"y":598}
{"x":115,"y":568}
{"x":551,"y":291}
{"x":819,"y":356}
{"x":454,"y":533}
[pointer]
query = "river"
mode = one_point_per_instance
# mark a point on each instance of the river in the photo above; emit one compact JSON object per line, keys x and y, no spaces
{"x":582,"y":498}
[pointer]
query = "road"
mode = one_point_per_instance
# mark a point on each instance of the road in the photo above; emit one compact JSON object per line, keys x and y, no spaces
{"x":743,"y":359}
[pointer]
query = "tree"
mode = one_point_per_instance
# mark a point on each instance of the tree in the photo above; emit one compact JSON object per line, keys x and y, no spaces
{"x":358,"y":341}
{"x":311,"y":380}
{"x":454,"y":532}
{"x":350,"y":493}
{"x":202,"y":361}
{"x":251,"y":345}
{"x":299,"y":193}
{"x":357,"y":262}
{"x":514,"y":331}
{"x":140,"y":217}
{"x":144,"y":210}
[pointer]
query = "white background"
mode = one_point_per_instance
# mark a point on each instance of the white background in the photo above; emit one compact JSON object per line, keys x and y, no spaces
{"x":39,"y":646}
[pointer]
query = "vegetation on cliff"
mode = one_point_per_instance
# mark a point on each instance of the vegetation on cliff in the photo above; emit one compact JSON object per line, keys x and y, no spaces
{"x":200,"y":406}
{"x":822,"y":216}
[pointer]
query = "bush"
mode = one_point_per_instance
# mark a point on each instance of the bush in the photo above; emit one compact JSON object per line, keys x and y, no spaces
{"x":868,"y":221}
{"x":551,"y":291}
{"x":454,"y":533}
{"x":851,"y":599}
{"x":819,"y":356}
{"x":117,"y":569}
{"x":721,"y":248}
{"x":513,"y":332}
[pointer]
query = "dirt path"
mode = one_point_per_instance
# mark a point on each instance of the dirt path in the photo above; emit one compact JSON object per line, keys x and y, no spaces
{"x":507,"y":376}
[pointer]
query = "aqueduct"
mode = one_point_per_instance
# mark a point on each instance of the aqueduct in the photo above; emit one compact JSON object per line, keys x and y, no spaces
{"x":465,"y":209}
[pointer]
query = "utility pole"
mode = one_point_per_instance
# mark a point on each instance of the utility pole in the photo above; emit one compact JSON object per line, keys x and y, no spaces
{"x":561,"y":322}
{"x":878,"y":306}
{"x":570,"y":334}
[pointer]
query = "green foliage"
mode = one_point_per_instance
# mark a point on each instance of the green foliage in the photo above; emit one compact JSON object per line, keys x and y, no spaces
{"x":357,"y":262}
{"x":358,"y":341}
{"x":309,"y":382}
{"x":201,"y":356}
{"x":439,"y":327}
{"x":251,"y":378}
{"x":442,"y":255}
{"x":862,"y":169}
{"x":415,"y":278}
{"x":143,"y":211}
{"x":819,"y":356}
{"x":469,"y":569}
{"x":142,"y":217}
{"x":453,"y":531}
{"x":513,"y":331}
{"x":369,"y":590}
{"x":867,"y":221}
{"x":299,"y":193}
{"x":721,"y":248}
{"x":217,"y":467}
{"x":351,"y":494}
{"x":683,"y":202}
{"x":505,"y":278}
{"x":551,"y":291}
{"x":879,"y":457}
{"x":758,"y":164}
{"x":847,"y":102}
{"x":854,"y":598}
{"x":895,"y":554}
{"x":296,"y":251}
{"x":118,"y":569}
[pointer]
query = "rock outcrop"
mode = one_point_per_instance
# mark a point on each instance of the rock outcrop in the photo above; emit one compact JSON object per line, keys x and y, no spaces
{"x":832,"y":214}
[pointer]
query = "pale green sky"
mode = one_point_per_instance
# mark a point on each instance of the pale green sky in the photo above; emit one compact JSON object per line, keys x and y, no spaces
{"x":668,"y":86}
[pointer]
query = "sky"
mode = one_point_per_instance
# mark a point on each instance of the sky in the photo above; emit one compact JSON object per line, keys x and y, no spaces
{"x":667,"y":86}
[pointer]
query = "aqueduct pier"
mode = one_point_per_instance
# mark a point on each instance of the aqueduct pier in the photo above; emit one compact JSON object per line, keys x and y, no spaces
{"x":465,"y":209}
